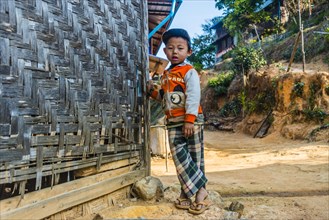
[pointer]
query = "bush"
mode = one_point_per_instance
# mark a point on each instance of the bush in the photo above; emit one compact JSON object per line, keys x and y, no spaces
{"x":317,"y":115}
{"x":261,"y":103}
{"x":298,"y":89}
{"x":221,"y":82}
{"x":231,"y":109}
{"x":198,"y":67}
{"x":247,"y":58}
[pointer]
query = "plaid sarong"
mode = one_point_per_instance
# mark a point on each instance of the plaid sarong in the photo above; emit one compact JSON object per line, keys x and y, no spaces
{"x":188,"y":156}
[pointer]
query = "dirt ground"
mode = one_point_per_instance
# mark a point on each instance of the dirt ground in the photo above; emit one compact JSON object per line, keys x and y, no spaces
{"x":272,"y":177}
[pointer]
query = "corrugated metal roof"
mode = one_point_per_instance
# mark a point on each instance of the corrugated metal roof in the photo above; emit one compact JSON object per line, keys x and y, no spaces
{"x":158,"y":10}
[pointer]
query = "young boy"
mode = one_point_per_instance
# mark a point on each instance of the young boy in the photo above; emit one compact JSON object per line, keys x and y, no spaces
{"x":180,"y":91}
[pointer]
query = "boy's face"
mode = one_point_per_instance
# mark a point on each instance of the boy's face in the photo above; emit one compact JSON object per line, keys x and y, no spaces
{"x":177,"y":50}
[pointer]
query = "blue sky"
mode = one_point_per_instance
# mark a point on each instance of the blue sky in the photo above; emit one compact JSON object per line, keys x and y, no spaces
{"x":191,"y":15}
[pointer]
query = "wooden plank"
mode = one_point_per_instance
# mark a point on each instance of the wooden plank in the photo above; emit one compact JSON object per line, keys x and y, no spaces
{"x":52,"y":204}
{"x":110,"y":166}
{"x":4,"y":129}
{"x":87,"y":210}
{"x":11,"y":154}
{"x":30,"y":173}
{"x":54,"y":140}
{"x":6,"y":142}
{"x":29,"y":198}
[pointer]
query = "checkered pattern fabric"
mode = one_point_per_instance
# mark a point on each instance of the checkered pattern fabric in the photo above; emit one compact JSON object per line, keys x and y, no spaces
{"x":188,"y":156}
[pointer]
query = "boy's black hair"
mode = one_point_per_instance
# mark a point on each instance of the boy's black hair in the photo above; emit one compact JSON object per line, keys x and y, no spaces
{"x":176,"y":32}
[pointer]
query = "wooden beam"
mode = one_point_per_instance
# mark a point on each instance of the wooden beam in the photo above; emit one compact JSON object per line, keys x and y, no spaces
{"x":54,"y":203}
{"x":105,"y":167}
{"x":16,"y":202}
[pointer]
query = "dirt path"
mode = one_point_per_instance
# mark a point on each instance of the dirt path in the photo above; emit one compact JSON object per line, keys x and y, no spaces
{"x":274,"y":178}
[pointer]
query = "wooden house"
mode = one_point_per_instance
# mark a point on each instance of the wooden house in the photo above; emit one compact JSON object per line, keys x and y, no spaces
{"x":225,"y":42}
{"x":74,"y":121}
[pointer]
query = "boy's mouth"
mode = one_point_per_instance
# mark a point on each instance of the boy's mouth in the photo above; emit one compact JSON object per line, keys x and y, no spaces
{"x":174,"y":58}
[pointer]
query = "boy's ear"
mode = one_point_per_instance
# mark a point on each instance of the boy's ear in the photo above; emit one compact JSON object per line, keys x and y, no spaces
{"x":189,"y":53}
{"x":164,"y":49}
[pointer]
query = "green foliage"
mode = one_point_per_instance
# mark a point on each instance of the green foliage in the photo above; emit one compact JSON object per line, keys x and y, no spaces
{"x":326,"y":59}
{"x":221,"y":82}
{"x":227,"y":55}
{"x":231,"y":109}
{"x":247,"y":58}
{"x":315,"y":44}
{"x":327,"y":36}
{"x":316,"y":114}
{"x":262,"y":102}
{"x":293,"y":25}
{"x":297,"y":90}
{"x":243,"y":100}
{"x":198,"y":66}
{"x":241,"y":13}
{"x":315,"y":87}
{"x":203,"y":52}
{"x":321,"y":14}
{"x":203,"y":49}
{"x":312,"y":112}
{"x":265,"y":101}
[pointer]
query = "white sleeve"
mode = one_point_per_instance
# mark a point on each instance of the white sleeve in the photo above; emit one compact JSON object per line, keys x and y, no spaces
{"x":193,"y":92}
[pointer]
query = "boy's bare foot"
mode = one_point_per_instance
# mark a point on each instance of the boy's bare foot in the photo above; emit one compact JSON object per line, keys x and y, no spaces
{"x":183,"y":202}
{"x":201,"y":204}
{"x":201,"y":195}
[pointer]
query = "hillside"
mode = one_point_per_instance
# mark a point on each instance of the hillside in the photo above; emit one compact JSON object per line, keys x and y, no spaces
{"x":294,"y":103}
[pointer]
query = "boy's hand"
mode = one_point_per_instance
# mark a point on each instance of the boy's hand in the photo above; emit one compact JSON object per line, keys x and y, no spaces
{"x":188,"y":129}
{"x":149,"y":85}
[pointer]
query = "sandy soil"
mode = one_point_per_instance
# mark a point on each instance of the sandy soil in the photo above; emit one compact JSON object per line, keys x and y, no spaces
{"x":273,"y":177}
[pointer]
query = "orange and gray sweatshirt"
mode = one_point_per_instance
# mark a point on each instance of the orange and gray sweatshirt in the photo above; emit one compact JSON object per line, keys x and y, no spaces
{"x":180,"y":90}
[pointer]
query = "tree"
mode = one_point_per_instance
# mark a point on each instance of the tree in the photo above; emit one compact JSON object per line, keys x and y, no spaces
{"x":241,"y":14}
{"x":203,"y":56}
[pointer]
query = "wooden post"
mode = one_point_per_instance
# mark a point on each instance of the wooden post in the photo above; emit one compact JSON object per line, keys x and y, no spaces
{"x":293,"y":51}
{"x":166,"y":132}
{"x":302,"y":34}
{"x":146,"y":102}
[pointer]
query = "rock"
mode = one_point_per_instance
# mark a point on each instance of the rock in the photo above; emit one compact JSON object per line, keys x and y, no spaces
{"x":231,"y":215}
{"x":149,"y":188}
{"x":236,"y":207}
{"x":216,"y":198}
{"x":98,"y":217}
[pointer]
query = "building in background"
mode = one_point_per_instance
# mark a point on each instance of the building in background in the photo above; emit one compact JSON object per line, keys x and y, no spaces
{"x":225,"y":42}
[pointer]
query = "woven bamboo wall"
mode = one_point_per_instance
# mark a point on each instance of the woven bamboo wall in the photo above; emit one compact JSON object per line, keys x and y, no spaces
{"x":71,"y":76}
